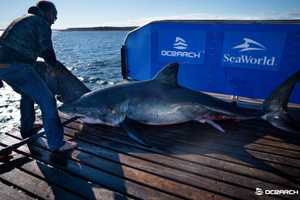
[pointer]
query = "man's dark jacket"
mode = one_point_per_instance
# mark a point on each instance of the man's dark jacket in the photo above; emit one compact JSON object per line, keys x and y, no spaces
{"x":26,"y":38}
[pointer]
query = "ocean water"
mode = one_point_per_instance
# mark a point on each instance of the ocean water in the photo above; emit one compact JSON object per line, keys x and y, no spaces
{"x":94,"y":57}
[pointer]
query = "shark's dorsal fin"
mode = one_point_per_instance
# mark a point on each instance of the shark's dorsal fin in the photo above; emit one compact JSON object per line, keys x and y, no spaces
{"x":168,"y":74}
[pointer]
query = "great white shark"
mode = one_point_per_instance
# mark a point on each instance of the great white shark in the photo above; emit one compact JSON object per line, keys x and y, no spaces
{"x":161,"y":101}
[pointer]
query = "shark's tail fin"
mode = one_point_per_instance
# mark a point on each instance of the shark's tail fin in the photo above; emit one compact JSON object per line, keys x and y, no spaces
{"x":61,"y":81}
{"x":275,"y":106}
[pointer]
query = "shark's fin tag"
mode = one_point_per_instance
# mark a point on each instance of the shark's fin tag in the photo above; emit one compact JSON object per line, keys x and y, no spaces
{"x":168,"y":75}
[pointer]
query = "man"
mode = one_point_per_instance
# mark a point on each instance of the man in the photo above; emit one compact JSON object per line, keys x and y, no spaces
{"x":25,"y":39}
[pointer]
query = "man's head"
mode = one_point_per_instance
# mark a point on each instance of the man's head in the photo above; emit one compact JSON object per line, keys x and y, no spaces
{"x":49,"y":10}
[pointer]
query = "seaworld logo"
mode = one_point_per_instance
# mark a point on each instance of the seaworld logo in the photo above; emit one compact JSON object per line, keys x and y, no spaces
{"x":249,"y":45}
{"x":245,"y":59}
{"x":179,"y":45}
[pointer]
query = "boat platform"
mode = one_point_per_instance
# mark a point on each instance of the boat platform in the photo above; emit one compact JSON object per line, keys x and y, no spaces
{"x":186,"y":161}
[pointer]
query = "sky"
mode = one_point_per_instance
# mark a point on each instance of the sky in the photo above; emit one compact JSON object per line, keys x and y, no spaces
{"x":89,"y":13}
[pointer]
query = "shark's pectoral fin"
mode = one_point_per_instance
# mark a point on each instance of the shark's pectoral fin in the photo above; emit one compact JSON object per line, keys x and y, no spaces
{"x":136,"y":138}
{"x":133,"y":133}
{"x":212,"y":123}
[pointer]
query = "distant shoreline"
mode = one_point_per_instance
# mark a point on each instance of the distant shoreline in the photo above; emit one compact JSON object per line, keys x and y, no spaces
{"x":102,"y":28}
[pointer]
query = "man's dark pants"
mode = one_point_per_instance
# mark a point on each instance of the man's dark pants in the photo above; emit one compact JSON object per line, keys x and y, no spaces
{"x":26,"y":81}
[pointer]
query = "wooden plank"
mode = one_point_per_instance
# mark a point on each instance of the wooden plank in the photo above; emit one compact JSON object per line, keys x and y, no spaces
{"x":144,"y":178}
{"x":237,"y":154}
{"x":227,"y":141}
{"x":278,"y":144}
{"x":77,"y":167}
{"x":235,"y":136}
{"x":71,"y":183}
{"x":10,"y":193}
{"x":16,"y":161}
{"x":238,"y":137}
{"x":213,"y":173}
{"x":58,"y":178}
{"x":243,"y":131}
{"x":127,"y":146}
{"x":236,"y":189}
{"x":230,"y":154}
{"x":229,"y":147}
{"x":94,"y":152}
{"x":264,"y":129}
{"x":36,"y":186}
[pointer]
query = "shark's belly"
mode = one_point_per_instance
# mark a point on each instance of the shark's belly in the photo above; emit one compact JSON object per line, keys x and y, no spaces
{"x":163,"y":114}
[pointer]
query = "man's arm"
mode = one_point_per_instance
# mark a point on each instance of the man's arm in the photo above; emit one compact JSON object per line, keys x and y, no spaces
{"x":45,"y":43}
{"x":49,"y":57}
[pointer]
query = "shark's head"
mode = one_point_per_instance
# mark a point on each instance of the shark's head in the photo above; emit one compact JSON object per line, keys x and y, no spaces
{"x":97,"y":107}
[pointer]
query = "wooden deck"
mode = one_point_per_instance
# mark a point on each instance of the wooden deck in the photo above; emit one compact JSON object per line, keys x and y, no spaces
{"x":187,"y":161}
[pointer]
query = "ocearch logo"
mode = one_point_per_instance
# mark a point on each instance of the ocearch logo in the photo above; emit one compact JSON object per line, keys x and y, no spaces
{"x":249,"y":45}
{"x":179,"y":45}
{"x":261,"y":192}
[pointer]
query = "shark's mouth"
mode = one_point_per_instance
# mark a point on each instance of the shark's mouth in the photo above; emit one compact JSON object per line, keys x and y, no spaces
{"x":90,"y":120}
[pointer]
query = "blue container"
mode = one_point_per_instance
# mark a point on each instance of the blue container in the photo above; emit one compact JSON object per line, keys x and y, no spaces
{"x":242,"y":58}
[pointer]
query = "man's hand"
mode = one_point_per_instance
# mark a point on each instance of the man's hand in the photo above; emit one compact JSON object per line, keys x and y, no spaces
{"x":49,"y":57}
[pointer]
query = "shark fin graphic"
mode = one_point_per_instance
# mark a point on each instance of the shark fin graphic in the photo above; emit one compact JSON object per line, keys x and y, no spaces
{"x":249,"y":45}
